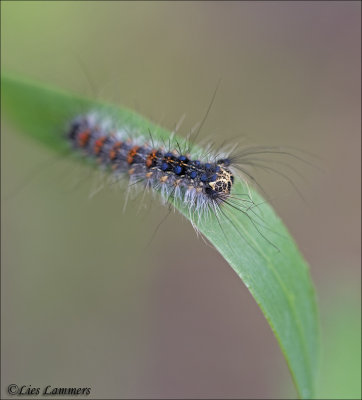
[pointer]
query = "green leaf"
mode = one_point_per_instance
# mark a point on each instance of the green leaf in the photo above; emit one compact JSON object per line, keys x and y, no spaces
{"x":340,"y":372}
{"x":278,"y":280}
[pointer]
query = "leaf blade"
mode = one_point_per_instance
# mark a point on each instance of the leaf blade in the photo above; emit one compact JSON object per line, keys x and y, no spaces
{"x":279,"y":281}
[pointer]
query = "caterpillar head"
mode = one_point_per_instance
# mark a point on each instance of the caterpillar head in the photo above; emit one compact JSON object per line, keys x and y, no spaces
{"x":220,"y":188}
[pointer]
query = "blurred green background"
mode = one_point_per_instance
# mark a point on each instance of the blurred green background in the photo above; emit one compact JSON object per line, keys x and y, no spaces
{"x":86,"y":299}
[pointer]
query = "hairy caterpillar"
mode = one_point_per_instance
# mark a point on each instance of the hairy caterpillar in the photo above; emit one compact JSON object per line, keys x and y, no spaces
{"x":197,"y":183}
{"x":201,"y":180}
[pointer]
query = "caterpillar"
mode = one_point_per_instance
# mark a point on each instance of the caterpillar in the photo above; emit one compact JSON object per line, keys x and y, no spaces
{"x":170,"y":171}
{"x":203,"y":180}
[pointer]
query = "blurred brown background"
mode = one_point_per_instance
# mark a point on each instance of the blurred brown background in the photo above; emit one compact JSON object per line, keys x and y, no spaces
{"x":86,"y":300}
